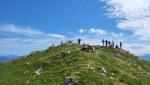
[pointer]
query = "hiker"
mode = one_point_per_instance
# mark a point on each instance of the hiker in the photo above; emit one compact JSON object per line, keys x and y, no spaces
{"x":112,"y":44}
{"x":62,"y":43}
{"x":91,"y":48}
{"x":53,"y":45}
{"x":84,"y":47}
{"x":106,"y":42}
{"x":79,"y":41}
{"x":87,"y":48}
{"x":109,"y":43}
{"x":70,"y":41}
{"x":116,"y":46}
{"x":120,"y":44}
{"x":103,"y":41}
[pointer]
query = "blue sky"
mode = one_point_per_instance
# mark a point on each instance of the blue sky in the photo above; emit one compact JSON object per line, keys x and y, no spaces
{"x":54,"y":15}
{"x":29,"y":25}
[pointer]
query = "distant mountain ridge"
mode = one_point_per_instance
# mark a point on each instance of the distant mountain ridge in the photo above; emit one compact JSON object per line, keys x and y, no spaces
{"x":146,"y":57}
{"x":8,"y":58}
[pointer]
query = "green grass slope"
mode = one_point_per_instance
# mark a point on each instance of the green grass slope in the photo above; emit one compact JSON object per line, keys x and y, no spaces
{"x":51,"y":66}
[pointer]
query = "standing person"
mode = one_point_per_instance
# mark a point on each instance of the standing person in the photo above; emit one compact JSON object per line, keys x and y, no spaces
{"x":109,"y":43}
{"x":103,"y":41}
{"x":113,"y":44}
{"x":116,"y":46}
{"x":53,"y":45}
{"x":62,"y":43}
{"x":79,"y":41}
{"x":120,"y":44}
{"x":106,"y":42}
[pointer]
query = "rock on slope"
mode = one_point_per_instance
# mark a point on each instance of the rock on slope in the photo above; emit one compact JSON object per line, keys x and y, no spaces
{"x":67,"y":64}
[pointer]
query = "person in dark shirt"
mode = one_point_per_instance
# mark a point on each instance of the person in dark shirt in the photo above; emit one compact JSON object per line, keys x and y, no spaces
{"x":79,"y":41}
{"x":116,"y":46}
{"x":103,"y":41}
{"x":120,"y":44}
{"x":106,"y":42}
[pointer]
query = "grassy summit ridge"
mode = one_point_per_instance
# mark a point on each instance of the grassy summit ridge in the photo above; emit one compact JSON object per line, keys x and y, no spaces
{"x":51,"y":66}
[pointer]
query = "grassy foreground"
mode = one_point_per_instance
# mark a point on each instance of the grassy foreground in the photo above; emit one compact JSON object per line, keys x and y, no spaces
{"x":51,"y":66}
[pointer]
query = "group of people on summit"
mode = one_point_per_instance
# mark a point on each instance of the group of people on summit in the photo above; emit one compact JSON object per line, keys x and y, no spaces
{"x":89,"y":48}
{"x":111,"y":44}
{"x":107,"y":43}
